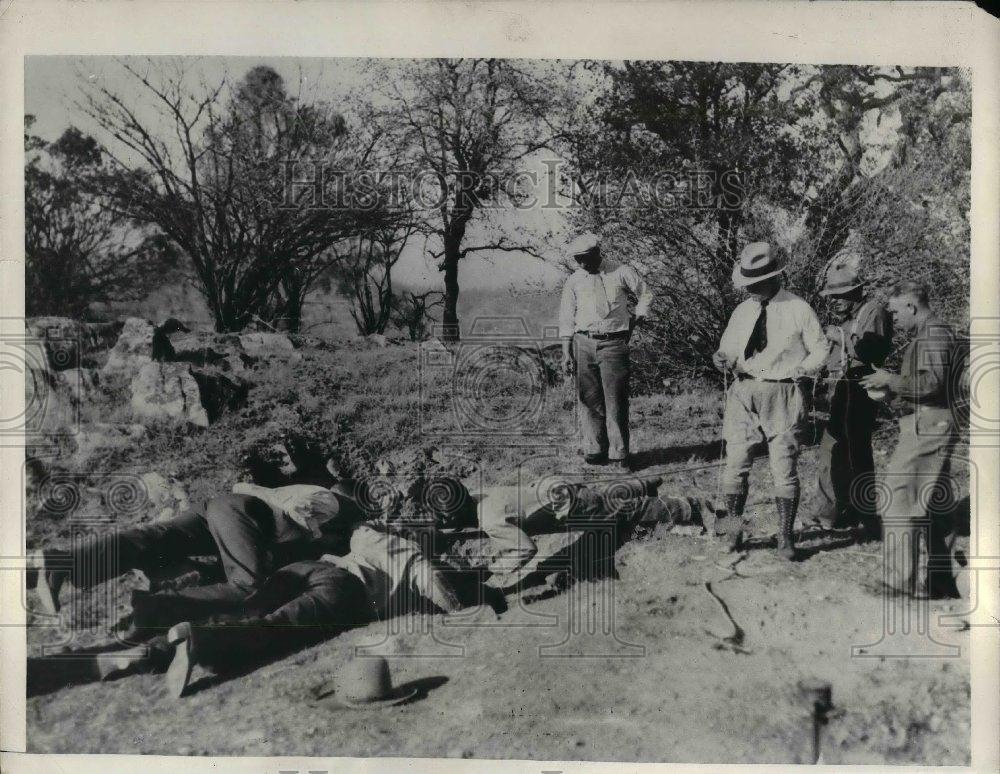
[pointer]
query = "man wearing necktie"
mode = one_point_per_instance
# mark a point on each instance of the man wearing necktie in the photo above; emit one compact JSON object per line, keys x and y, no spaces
{"x":773,"y":340}
{"x":595,"y":324}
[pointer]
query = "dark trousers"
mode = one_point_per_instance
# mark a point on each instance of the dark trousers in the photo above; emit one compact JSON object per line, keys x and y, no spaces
{"x":603,"y":370}
{"x":845,"y":491}
{"x":243,"y":531}
{"x":300,"y":604}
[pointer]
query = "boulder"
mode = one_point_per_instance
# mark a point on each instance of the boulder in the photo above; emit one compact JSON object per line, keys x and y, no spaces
{"x":101,"y":436}
{"x":377,"y":340}
{"x":269,"y":345}
{"x":207,"y":348}
{"x":166,"y":496}
{"x":179,"y":393}
{"x":102,"y":336}
{"x":80,"y":385}
{"x":167,"y":391}
{"x":220,"y":392}
{"x":48,"y":406}
{"x":134,"y":348}
{"x":67,"y":342}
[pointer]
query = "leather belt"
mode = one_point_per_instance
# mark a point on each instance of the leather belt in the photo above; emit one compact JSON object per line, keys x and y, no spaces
{"x":743,"y":377}
{"x":604,"y":336}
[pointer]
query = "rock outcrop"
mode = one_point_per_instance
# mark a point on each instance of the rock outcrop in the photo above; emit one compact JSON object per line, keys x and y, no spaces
{"x":178,"y":392}
{"x":134,"y":348}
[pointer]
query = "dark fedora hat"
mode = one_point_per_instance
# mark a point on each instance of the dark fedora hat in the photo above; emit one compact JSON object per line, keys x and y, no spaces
{"x":365,"y":683}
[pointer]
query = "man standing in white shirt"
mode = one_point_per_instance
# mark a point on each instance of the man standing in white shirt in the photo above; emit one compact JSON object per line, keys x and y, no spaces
{"x":595,"y":325}
{"x":773,"y":340}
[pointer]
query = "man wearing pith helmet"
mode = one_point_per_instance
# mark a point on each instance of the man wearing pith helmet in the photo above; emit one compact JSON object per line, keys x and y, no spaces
{"x":773,"y":340}
{"x":860,"y":340}
{"x":595,"y":324}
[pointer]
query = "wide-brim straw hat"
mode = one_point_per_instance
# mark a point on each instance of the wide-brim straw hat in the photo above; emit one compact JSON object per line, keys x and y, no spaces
{"x":757,"y":263}
{"x":365,"y":683}
{"x":841,"y":279}
{"x":583,"y":244}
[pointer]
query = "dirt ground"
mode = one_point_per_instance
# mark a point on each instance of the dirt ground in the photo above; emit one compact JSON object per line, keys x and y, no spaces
{"x":644,"y":667}
{"x":661,"y":684}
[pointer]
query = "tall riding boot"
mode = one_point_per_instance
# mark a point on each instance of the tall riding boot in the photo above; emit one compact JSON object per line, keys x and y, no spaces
{"x":787,"y":506}
{"x":738,"y":529}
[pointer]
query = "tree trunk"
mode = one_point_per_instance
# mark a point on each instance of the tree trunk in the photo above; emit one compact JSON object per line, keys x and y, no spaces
{"x":452,"y":254}
{"x":449,"y":319}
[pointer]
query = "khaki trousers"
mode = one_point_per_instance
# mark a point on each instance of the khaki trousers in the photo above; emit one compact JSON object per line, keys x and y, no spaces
{"x":919,"y":497}
{"x":763,"y":411}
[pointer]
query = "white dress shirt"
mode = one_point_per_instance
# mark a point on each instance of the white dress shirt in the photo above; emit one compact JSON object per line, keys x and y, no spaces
{"x":795,"y":339}
{"x":307,"y":505}
{"x":395,"y":572}
{"x":579,"y":308}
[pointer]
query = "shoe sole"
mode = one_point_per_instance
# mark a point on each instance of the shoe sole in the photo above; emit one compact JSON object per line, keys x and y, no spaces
{"x":179,"y":673}
{"x":48,"y":596}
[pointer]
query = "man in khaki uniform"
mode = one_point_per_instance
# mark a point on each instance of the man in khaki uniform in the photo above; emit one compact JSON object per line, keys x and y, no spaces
{"x":860,"y":342}
{"x":919,"y":471}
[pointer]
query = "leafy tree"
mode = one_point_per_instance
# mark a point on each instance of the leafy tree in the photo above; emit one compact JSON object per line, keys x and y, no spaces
{"x":77,"y":249}
{"x":674,"y":162}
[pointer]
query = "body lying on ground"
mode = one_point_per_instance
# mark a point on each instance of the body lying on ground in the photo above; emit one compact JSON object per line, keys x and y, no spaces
{"x":289,"y":585}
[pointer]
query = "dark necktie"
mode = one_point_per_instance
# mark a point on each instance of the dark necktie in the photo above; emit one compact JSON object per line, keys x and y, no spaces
{"x":758,"y":338}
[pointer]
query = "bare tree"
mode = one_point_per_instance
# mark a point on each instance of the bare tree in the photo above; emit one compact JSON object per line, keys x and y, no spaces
{"x":212,"y":172}
{"x":465,"y":127}
{"x":413,"y":313}
{"x":364,"y":274}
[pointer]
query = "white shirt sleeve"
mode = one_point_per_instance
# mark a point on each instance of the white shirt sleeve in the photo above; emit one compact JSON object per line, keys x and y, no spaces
{"x":814,"y":339}
{"x":643,"y":295}
{"x":733,"y":336}
{"x":567,"y":309}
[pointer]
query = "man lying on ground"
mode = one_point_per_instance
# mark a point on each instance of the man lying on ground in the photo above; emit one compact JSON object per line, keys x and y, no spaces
{"x":516,"y":513}
{"x":252,"y":538}
{"x":384,"y":574}
{"x":315,"y":600}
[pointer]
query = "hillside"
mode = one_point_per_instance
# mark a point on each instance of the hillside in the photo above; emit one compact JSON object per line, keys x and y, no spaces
{"x":671,"y":681}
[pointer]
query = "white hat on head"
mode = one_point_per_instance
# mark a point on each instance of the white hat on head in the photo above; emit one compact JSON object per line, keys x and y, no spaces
{"x":583,"y":244}
{"x":757,"y":263}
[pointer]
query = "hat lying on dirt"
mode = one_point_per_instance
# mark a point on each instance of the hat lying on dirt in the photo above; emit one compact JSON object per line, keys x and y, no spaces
{"x":757,"y":263}
{"x":365,"y":683}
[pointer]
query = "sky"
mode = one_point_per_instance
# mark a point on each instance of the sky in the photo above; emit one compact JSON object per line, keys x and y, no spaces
{"x":52,"y":93}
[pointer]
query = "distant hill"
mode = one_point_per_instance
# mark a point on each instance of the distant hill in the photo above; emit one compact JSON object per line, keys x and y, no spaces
{"x":327,"y":314}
